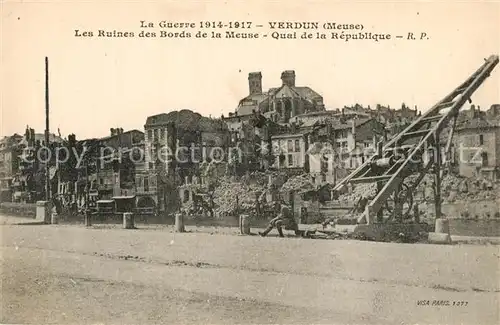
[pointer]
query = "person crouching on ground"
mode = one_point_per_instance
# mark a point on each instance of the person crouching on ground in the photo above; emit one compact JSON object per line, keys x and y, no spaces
{"x":284,"y":219}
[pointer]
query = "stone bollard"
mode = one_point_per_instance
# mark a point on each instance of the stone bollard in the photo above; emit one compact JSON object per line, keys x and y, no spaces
{"x":43,"y":211}
{"x":54,"y":218}
{"x":88,"y":218}
{"x":245,"y":224}
{"x":441,"y":234}
{"x":442,"y":226}
{"x":179,"y":222}
{"x":128,"y":220}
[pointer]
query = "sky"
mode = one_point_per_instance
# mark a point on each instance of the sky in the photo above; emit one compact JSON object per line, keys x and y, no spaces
{"x":100,"y":83}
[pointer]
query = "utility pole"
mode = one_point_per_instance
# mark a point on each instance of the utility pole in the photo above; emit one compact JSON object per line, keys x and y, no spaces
{"x":47,"y":176}
{"x":88,"y":222}
{"x":119,"y":131}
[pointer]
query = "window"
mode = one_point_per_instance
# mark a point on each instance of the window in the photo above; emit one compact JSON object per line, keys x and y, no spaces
{"x":156,"y":135}
{"x":290,"y":146}
{"x":136,"y":138}
{"x":297,"y":145}
{"x":152,"y":182}
{"x":484,"y":157}
{"x":282,"y":160}
{"x":290,"y":160}
{"x":150,"y":135}
{"x":146,"y":184}
{"x":324,"y":165}
{"x":481,"y":140}
{"x":153,"y":154}
{"x":162,"y":134}
{"x":367,"y":145}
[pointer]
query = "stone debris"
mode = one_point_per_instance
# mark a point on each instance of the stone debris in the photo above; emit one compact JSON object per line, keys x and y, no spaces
{"x":230,"y":196}
{"x":238,"y":195}
{"x":453,"y":189}
{"x":360,"y":190}
{"x":298,"y":183}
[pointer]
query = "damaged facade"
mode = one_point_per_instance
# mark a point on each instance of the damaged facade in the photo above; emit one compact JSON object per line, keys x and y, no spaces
{"x":175,"y":146}
{"x":478,"y":142}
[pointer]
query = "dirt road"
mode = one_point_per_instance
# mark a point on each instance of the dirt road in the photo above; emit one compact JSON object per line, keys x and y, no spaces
{"x":63,"y":274}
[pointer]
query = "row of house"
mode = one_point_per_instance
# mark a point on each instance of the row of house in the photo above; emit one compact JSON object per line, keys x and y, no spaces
{"x":477,"y":142}
{"x":284,"y":128}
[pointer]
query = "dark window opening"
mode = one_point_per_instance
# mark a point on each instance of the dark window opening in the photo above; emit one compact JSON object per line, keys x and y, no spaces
{"x":484,"y":157}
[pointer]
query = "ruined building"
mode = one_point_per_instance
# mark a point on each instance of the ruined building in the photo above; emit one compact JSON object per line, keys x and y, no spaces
{"x":278,"y":104}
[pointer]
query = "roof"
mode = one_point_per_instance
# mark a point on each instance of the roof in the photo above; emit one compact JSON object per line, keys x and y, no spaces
{"x":477,"y":123}
{"x":284,"y":90}
{"x":348,"y":111}
{"x":186,"y":120}
{"x":304,"y":92}
{"x":287,"y":91}
{"x":308,"y":123}
{"x":289,"y":135}
{"x":248,"y":109}
{"x":126,"y":132}
{"x":41,"y":137}
{"x":319,"y":113}
{"x":337,"y":125}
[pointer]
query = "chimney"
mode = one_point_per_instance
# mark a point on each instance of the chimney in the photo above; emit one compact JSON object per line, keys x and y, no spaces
{"x":255,"y":83}
{"x":353,"y":121}
{"x":288,"y":78}
{"x":27,"y":134}
{"x":472,"y":112}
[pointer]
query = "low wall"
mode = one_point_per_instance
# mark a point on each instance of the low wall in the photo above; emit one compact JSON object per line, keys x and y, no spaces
{"x":229,"y":221}
{"x":480,"y":209}
{"x":470,"y":209}
{"x":19,"y":209}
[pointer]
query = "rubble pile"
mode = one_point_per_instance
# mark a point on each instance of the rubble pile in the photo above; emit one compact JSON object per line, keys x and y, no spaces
{"x":360,"y":190}
{"x":453,"y":188}
{"x":298,"y":183}
{"x":230,"y":196}
{"x":262,"y":178}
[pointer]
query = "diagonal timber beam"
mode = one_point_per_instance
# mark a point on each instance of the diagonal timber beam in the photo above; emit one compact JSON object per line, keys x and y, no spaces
{"x":454,"y":101}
